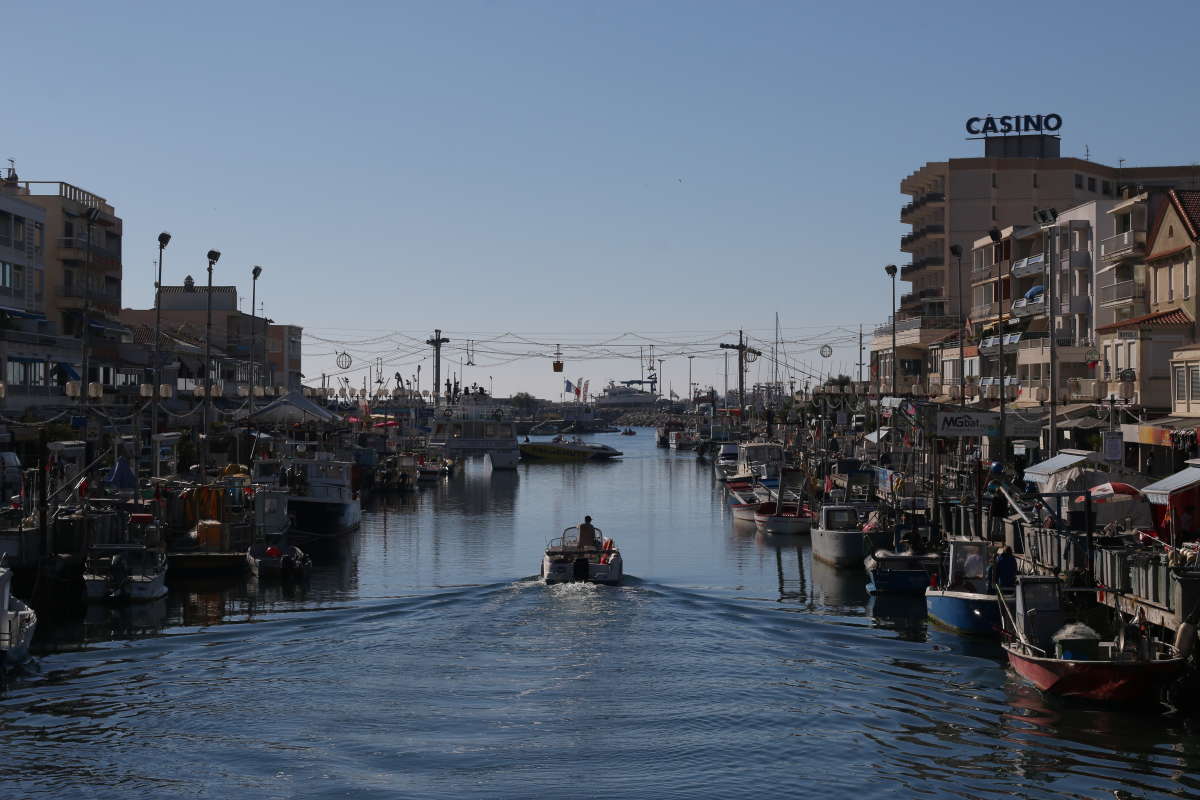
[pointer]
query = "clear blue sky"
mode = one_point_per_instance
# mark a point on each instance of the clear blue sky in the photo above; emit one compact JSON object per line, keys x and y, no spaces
{"x":566,"y":171}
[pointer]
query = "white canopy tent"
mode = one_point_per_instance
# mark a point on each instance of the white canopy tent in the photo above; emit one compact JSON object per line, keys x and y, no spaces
{"x":292,"y":407}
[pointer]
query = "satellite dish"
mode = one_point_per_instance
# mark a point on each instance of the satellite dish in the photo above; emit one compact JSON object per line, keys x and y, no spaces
{"x":826,"y":351}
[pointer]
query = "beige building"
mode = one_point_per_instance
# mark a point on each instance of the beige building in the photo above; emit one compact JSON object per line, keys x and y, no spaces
{"x":954,"y":204}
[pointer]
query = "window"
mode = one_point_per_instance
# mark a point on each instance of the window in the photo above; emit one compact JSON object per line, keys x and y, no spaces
{"x":15,"y":375}
{"x":1194,"y":379}
{"x":993,"y":213}
{"x":1078,"y":181}
{"x":1180,"y":385}
{"x":993,"y":180}
{"x":1171,"y":282}
{"x":1105,"y":188}
{"x":1187,"y":284}
{"x":1035,"y":180}
{"x":1107,"y":361}
{"x":1091,"y":184}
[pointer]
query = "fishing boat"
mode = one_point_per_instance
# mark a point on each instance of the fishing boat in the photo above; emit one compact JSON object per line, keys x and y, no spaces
{"x":562,"y":449}
{"x":683,"y":440}
{"x":476,"y":425}
{"x":124,"y":573}
{"x":322,"y":500}
{"x":783,"y":518}
{"x":902,"y":571}
{"x":629,"y":432}
{"x":17,"y":624}
{"x":566,"y":562}
{"x":761,"y":462}
{"x":726,"y":461}
{"x":964,"y":601}
{"x":744,"y":501}
{"x":838,"y":537}
{"x":1070,"y":659}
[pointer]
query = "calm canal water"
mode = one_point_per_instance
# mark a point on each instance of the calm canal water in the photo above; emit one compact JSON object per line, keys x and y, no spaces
{"x":428,"y":663}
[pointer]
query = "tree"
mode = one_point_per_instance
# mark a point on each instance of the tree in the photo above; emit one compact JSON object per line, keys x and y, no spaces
{"x":524,"y":402}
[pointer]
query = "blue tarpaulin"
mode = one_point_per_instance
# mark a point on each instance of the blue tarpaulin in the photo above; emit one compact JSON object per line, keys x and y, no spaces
{"x":122,"y":476}
{"x":1035,"y":291}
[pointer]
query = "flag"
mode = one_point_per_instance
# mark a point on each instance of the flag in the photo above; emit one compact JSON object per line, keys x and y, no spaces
{"x":585,"y":388}
{"x":673,"y":395}
{"x":568,"y":388}
{"x":578,"y":388}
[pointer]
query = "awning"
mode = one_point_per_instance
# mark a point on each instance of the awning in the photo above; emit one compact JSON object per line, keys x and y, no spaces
{"x":68,"y":371}
{"x":26,"y":359}
{"x":1081,"y":423}
{"x":875,"y":436}
{"x":1159,"y":492}
{"x":1052,"y":465}
{"x":105,"y":325}
{"x":21,"y":313}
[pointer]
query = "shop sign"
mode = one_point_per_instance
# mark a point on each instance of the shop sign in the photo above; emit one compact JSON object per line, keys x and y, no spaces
{"x":1114,"y":446}
{"x":956,"y":424}
{"x":1017,"y":123}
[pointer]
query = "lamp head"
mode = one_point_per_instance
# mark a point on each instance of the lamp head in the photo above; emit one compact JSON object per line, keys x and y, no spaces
{"x":994,"y":234}
{"x":956,"y":250}
{"x":890,"y":269}
{"x":164,"y":239}
{"x":213,"y":256}
{"x":256,"y":272}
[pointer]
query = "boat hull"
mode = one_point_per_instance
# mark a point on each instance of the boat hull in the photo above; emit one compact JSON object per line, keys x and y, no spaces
{"x":324,"y":517}
{"x":20,"y":622}
{"x":844,"y":548}
{"x":965,"y":612}
{"x":1104,"y":681}
{"x":504,"y":459}
{"x":897,"y":581}
{"x":562,"y":570}
{"x":138,"y":590}
{"x":783,"y":525}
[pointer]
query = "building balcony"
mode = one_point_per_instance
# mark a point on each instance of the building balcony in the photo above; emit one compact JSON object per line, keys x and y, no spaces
{"x":988,"y":271}
{"x":1122,"y":292}
{"x":917,"y":325}
{"x":1078,"y":304}
{"x":98,"y":297}
{"x":921,"y":233}
{"x":991,"y":345}
{"x":1085,"y":390}
{"x":1028,"y":307}
{"x":1126,"y":245}
{"x":919,"y":202}
{"x":908,"y":270}
{"x":1076,"y":259}
{"x":1033,"y":265}
{"x":1036,"y":350}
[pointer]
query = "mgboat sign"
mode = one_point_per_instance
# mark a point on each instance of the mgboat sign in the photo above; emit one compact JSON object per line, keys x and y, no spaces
{"x":1017,"y":123}
{"x":975,"y":424}
{"x":956,"y":424}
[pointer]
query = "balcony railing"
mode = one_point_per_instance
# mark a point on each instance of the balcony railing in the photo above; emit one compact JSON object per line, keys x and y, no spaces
{"x":985,"y":310}
{"x":93,"y":295}
{"x":921,"y":201}
{"x":1127,"y":244}
{"x":928,"y":321}
{"x":1122,"y":292}
{"x":1076,"y":259}
{"x":1033,"y":265}
{"x":920,"y":233}
{"x":1027,"y":307}
{"x":1078,"y":304}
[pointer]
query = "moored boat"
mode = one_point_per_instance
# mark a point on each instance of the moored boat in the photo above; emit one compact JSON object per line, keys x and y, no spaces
{"x":903,"y":572}
{"x":17,"y":625}
{"x":283,"y":561}
{"x":1070,"y":659}
{"x":783,"y":518}
{"x":565,"y":561}
{"x":964,"y":601}
{"x":124,"y":573}
{"x":562,"y":449}
{"x":838,"y":537}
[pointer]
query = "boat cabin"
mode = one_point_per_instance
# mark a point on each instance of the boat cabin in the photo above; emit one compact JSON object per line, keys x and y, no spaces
{"x":839,"y":518}
{"x":1039,"y":611}
{"x":763,"y":459}
{"x":969,"y":559}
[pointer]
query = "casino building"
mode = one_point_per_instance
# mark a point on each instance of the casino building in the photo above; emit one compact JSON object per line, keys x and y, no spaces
{"x":955,"y":203}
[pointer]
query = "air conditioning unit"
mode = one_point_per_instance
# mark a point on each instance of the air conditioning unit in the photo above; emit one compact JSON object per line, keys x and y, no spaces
{"x":935,"y":389}
{"x":1041,"y":394}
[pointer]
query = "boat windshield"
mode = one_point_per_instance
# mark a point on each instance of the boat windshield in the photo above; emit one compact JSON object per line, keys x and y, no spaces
{"x":841,"y":519}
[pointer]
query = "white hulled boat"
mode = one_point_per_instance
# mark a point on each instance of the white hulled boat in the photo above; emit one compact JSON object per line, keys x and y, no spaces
{"x":17,"y":624}
{"x":566,"y":562}
{"x":476,"y":426}
{"x":839,"y":539}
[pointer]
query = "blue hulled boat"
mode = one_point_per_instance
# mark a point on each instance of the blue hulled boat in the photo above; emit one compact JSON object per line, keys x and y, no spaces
{"x":965,"y":602}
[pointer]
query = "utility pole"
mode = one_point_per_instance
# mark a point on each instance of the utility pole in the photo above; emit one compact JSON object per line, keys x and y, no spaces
{"x":742,"y":349}
{"x":860,"y":352}
{"x":436,"y":342}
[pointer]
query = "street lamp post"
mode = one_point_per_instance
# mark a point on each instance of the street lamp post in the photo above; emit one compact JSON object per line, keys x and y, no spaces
{"x":254,"y":273}
{"x":891,"y":270}
{"x":691,"y":394}
{"x":956,"y":251}
{"x":994,"y":235}
{"x":164,"y":239}
{"x":213,"y":256}
{"x":92,"y":216}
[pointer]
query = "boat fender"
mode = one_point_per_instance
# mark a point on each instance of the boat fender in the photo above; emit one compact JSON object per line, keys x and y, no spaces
{"x":1185,"y":639}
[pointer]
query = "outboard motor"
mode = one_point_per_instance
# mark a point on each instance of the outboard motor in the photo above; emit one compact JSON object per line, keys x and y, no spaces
{"x":581,"y":572}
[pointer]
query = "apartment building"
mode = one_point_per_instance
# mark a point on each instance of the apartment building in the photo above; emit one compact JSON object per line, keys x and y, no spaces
{"x":954,"y":204}
{"x":284,"y":354}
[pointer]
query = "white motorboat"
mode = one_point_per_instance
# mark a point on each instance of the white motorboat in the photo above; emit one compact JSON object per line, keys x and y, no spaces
{"x":839,"y":539}
{"x":760,"y":462}
{"x":17,"y":624}
{"x":322,"y":500}
{"x":124,"y":573}
{"x":283,"y":561}
{"x":566,"y":562}
{"x":562,"y":449}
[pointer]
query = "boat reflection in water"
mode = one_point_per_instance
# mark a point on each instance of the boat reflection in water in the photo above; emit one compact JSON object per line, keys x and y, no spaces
{"x":842,"y":589}
{"x":902,"y":613}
